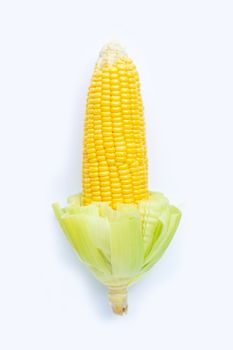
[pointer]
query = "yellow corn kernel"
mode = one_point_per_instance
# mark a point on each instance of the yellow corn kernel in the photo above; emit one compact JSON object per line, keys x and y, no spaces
{"x":114,"y":157}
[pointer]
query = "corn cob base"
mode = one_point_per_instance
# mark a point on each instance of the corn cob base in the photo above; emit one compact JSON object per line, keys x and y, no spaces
{"x":119,"y":245}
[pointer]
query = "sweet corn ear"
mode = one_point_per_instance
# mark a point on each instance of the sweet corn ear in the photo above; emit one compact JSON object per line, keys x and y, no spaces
{"x":115,"y":156}
{"x":118,"y":228}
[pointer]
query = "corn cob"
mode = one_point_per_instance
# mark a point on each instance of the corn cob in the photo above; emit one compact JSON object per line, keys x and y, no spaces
{"x":116,"y":225}
{"x":114,"y":159}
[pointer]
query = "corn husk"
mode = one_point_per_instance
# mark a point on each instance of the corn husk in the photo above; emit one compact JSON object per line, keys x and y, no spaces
{"x":119,"y":245}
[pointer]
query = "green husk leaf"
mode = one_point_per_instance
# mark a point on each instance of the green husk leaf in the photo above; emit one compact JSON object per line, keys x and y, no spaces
{"x":150,"y":211}
{"x":170,"y":218}
{"x":126,"y":246}
{"x":59,"y":212}
{"x":81,"y":236}
{"x":158,"y":226}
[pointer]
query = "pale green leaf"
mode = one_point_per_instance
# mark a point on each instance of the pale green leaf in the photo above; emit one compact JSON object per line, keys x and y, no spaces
{"x":80,"y":234}
{"x":126,"y":246}
{"x":170,"y":218}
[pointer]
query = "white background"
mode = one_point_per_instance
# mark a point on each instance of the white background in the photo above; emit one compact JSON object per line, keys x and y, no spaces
{"x":183,"y":51}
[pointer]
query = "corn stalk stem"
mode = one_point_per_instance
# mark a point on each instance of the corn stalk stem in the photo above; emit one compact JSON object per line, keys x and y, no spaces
{"x":117,"y":296}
